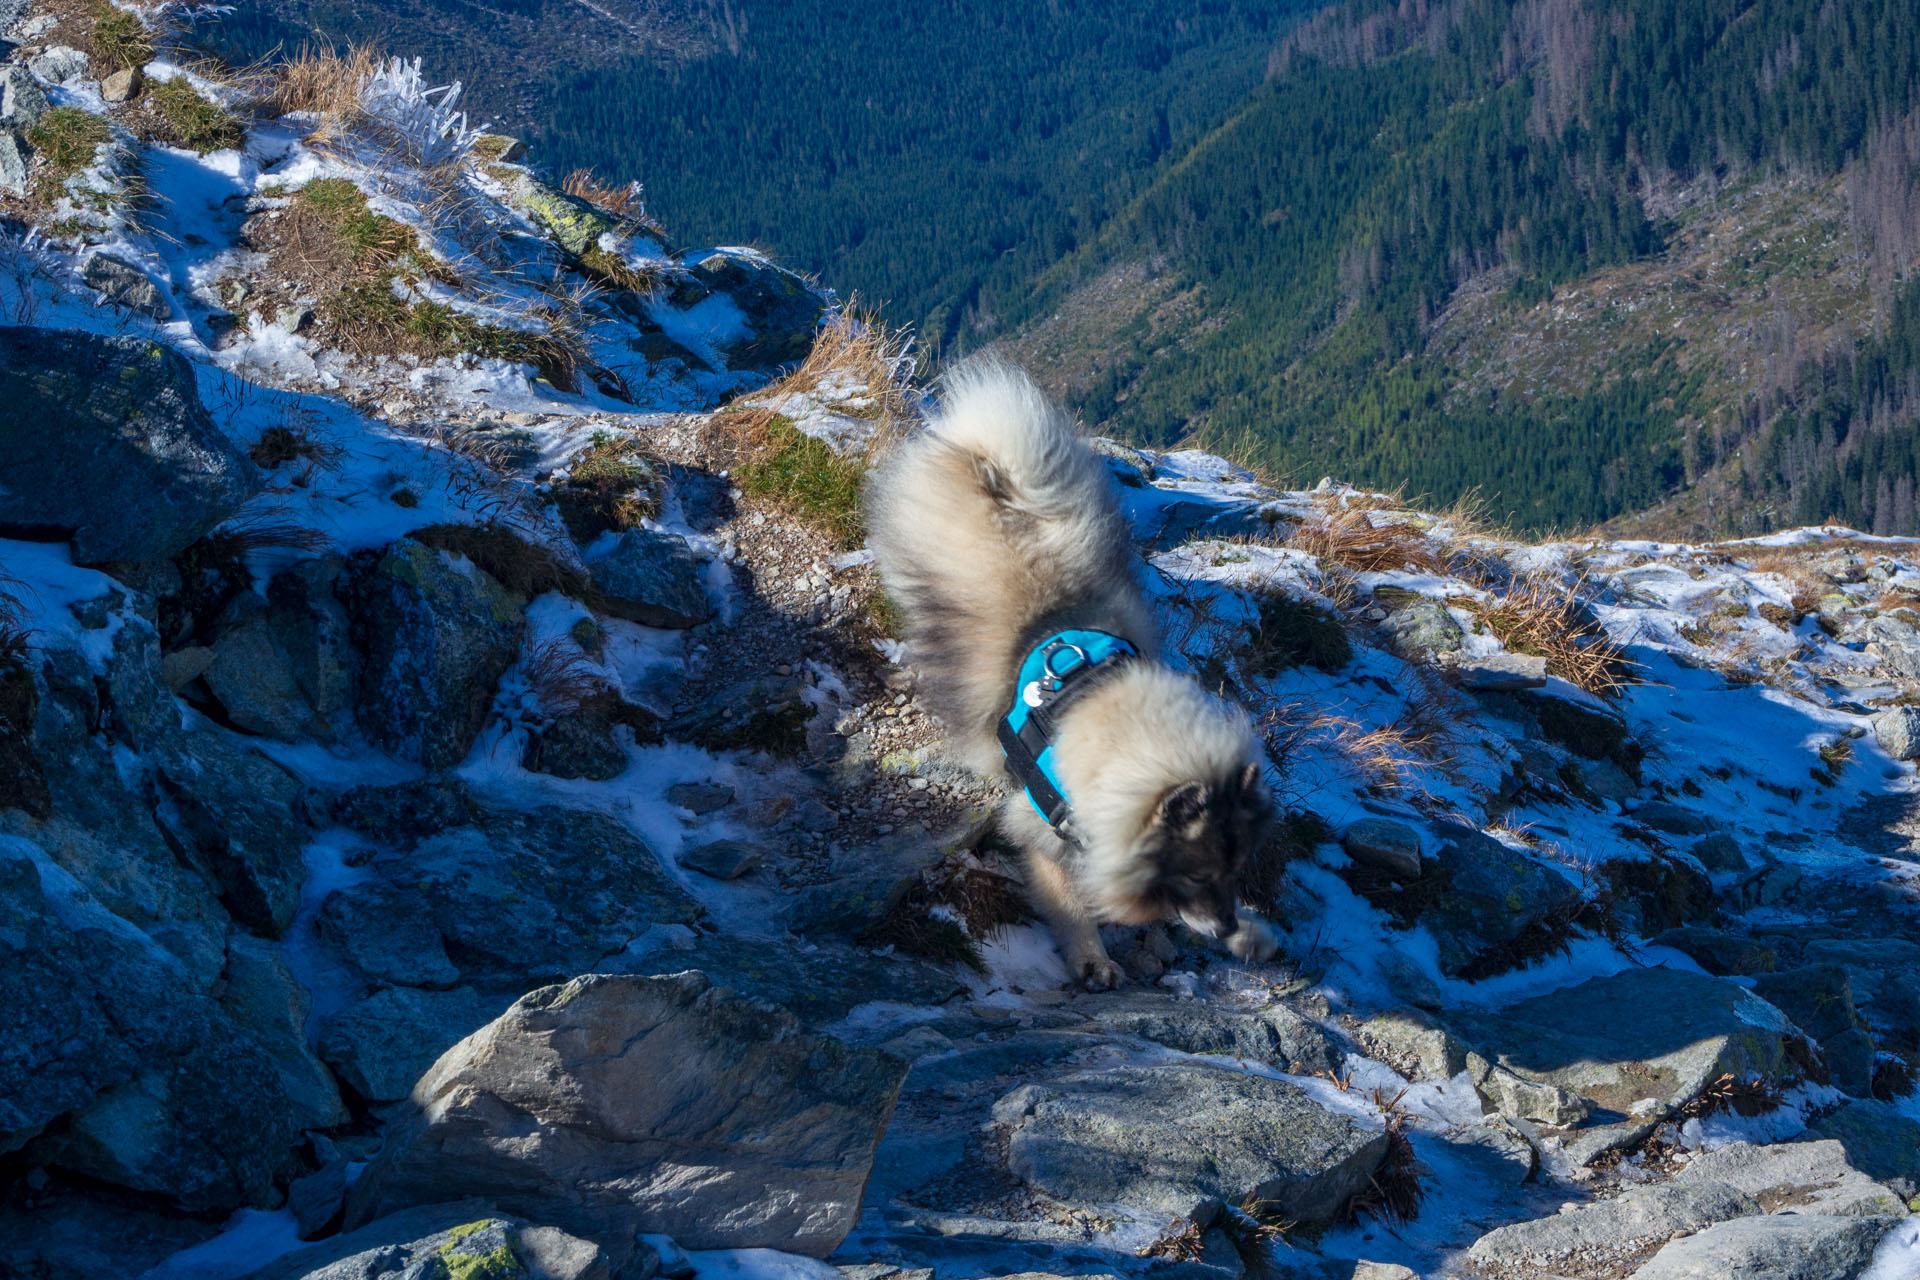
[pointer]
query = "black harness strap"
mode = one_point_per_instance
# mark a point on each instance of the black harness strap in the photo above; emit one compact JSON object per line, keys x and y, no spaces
{"x":1025,"y":745}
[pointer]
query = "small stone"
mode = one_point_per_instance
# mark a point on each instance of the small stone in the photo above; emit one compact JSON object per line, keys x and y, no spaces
{"x":1720,"y":852}
{"x":121,"y":85}
{"x":1392,"y":847}
{"x":126,"y":286}
{"x":700,"y":798}
{"x":1897,"y":730}
{"x":721,"y":859}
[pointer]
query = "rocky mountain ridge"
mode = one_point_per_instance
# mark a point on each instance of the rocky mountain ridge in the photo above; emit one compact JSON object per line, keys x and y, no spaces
{"x":462,"y":812}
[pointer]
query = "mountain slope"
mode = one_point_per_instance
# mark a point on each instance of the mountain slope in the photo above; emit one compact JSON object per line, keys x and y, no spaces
{"x":1403,"y":155}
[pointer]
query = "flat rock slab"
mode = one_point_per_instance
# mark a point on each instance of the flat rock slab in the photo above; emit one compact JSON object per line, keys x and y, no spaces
{"x":1610,"y":1231}
{"x":1181,"y":1138}
{"x":1782,"y":1246}
{"x":1273,"y":1034}
{"x":465,"y":1238}
{"x":1807,"y":1177}
{"x":613,"y":1105}
{"x":819,"y":986}
{"x":1634,"y":1045}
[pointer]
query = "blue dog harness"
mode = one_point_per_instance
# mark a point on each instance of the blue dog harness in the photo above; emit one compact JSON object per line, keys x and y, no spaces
{"x":1057,"y":673}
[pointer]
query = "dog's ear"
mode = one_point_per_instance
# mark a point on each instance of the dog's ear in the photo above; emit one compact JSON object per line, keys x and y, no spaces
{"x":1180,"y":805}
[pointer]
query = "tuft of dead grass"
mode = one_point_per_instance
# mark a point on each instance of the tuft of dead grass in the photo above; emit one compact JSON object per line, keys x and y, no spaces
{"x":560,"y":677}
{"x":195,"y":122}
{"x":1543,"y":616}
{"x":1393,"y":1190}
{"x":323,"y":82}
{"x":610,"y":488}
{"x":517,"y":563}
{"x":1351,"y":540}
{"x":627,"y":203}
{"x":119,"y":38}
{"x":1731,"y":1093}
{"x":1182,"y":1241}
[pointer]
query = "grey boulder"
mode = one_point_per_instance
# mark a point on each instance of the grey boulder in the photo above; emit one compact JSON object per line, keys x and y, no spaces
{"x":1392,"y":847}
{"x":1612,"y":1230}
{"x":16,"y":177}
{"x":1624,"y":1051}
{"x":1809,"y":1177}
{"x":618,"y":1104}
{"x":468,"y":1239}
{"x":1493,"y":895}
{"x":1897,"y":730}
{"x":439,"y":634}
{"x":1778,"y":1246}
{"x":106,"y":441}
{"x":651,"y":578}
{"x":59,"y":64}
{"x":22,"y":102}
{"x":1184,"y":1138}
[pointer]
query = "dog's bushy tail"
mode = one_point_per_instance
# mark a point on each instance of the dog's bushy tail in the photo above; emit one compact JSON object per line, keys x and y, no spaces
{"x":995,"y":517}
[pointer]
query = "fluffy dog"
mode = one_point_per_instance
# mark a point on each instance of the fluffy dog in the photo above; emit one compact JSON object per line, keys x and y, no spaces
{"x":995,"y":529}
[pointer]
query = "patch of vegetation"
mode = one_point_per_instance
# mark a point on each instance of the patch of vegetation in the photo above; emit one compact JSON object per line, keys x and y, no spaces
{"x":368,"y":318}
{"x":340,"y":208}
{"x":610,"y":488}
{"x":195,"y":122}
{"x":791,"y":469}
{"x":1834,"y":758}
{"x":522,"y":567}
{"x":120,"y":39}
{"x":616,"y":273}
{"x":1662,"y":891}
{"x":66,"y":138}
{"x":277,"y":446}
{"x":1292,"y":633}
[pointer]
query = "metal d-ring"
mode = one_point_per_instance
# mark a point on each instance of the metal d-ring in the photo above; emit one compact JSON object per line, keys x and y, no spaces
{"x":1046,"y":660}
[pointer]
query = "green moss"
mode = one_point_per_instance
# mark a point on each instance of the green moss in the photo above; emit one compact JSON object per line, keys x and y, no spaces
{"x":575,"y":225}
{"x":199,"y":124}
{"x":1293,"y":633}
{"x":803,"y":475}
{"x":501,"y":1262}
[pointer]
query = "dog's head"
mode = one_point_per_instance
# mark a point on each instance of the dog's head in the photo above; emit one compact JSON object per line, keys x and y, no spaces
{"x":1196,"y":840}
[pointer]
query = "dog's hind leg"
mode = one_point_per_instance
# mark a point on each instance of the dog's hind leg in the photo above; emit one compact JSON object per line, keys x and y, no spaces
{"x":1073,"y":929}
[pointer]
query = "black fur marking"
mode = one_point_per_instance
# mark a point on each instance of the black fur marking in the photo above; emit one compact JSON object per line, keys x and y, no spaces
{"x":1200,"y":837}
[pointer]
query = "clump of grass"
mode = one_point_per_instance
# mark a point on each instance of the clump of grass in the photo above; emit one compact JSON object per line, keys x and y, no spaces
{"x":368,"y":318}
{"x":1783,"y":616}
{"x":616,"y":273}
{"x":628,"y":203}
{"x":1182,"y":1241}
{"x":325,"y":82}
{"x":194,"y":121}
{"x":979,"y":902}
{"x":790,"y":469}
{"x":277,"y":446}
{"x":1350,"y":540}
{"x":1393,"y":1190}
{"x":336,"y":209}
{"x":1834,"y":758}
{"x":66,"y":138}
{"x":1542,"y":616}
{"x":610,"y":488}
{"x":1291,"y":633}
{"x":119,"y":38}
{"x":521,"y":566}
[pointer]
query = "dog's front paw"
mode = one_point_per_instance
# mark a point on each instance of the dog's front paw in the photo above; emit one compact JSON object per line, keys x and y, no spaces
{"x":1253,"y":941}
{"x":1097,"y":973}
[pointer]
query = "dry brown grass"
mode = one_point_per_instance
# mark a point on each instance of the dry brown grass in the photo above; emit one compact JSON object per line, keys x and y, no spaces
{"x":1541,"y":615}
{"x":325,"y":82}
{"x":1386,"y":756}
{"x":1393,"y":1190}
{"x":559,"y":676}
{"x":627,"y":203}
{"x":1180,"y":1242}
{"x":1351,"y":540}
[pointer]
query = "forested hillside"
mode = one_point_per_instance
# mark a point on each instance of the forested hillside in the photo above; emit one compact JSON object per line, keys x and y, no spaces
{"x":932,"y":158}
{"x":1399,"y":153}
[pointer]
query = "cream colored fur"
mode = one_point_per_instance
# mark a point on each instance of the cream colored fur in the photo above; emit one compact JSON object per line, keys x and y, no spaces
{"x":995,"y":526}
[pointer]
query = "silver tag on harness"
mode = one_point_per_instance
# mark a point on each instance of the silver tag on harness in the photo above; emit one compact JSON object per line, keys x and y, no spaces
{"x":1031,"y":694}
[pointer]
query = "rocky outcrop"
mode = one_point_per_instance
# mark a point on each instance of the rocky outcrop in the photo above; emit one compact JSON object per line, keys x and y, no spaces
{"x":1182,"y":1139}
{"x":1616,"y":1055}
{"x":466,"y":1239}
{"x":650,"y":578}
{"x":106,"y":441}
{"x":438,"y":635}
{"x":612,"y":1105}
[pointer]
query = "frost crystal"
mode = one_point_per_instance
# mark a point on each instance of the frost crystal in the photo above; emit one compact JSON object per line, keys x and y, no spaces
{"x":423,"y":119}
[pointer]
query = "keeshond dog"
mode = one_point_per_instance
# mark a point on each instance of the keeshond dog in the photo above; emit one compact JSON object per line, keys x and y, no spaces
{"x":1137,"y":795}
